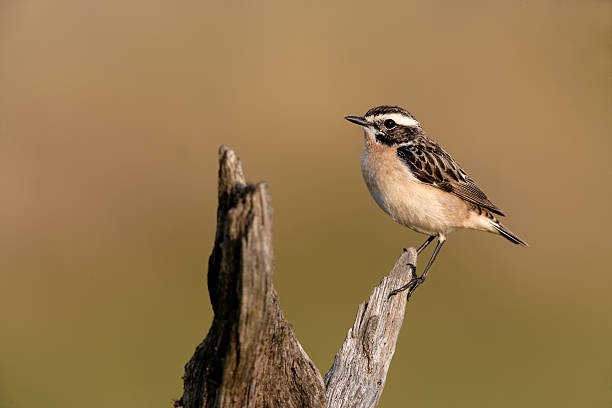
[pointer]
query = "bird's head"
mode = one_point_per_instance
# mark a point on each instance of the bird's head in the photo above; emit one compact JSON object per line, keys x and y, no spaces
{"x":388,"y":125}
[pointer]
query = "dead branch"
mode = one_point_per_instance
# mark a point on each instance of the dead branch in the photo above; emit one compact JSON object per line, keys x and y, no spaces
{"x":250,"y":356}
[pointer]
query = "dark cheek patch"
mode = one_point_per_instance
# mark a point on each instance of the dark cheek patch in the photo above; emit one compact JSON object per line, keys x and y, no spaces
{"x":384,"y":139}
{"x":399,"y":134}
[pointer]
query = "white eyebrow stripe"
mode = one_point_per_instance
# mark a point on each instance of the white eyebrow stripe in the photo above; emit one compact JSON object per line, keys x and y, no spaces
{"x":399,"y":119}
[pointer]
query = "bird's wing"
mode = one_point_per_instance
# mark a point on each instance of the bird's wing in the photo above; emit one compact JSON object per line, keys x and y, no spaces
{"x":431,"y":165}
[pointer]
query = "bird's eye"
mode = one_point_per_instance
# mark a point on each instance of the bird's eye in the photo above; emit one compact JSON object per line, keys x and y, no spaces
{"x":389,"y":123}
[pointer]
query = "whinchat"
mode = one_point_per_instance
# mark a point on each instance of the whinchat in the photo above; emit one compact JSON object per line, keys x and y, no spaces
{"x":419,"y":185}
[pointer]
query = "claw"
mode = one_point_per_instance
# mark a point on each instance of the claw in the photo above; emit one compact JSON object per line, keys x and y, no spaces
{"x":411,"y":286}
{"x":417,"y":283}
{"x":401,"y":289}
{"x":406,"y":286}
{"x":418,"y":280}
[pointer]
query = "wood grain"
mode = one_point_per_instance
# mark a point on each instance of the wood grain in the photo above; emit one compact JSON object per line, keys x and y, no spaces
{"x":357,"y":377}
{"x":250,"y":356}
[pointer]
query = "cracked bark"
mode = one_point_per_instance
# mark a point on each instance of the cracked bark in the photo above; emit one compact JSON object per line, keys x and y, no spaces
{"x":357,"y":377}
{"x":250,"y":356}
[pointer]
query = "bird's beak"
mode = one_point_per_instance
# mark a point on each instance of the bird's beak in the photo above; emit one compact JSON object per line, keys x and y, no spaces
{"x":359,"y":120}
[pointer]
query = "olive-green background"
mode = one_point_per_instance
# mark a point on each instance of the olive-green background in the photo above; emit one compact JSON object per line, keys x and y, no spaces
{"x":111,"y":114}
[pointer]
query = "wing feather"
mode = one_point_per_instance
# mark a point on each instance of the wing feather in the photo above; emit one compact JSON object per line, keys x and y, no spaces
{"x":431,"y":165}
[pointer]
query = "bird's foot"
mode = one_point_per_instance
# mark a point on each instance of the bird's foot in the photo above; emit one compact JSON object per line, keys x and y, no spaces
{"x":410,"y":286}
{"x":417,"y":282}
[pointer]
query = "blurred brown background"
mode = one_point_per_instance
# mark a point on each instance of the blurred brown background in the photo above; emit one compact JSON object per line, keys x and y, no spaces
{"x":111,"y":114}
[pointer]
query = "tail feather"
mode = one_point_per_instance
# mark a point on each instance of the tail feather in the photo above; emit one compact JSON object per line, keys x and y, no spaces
{"x":506,"y":233}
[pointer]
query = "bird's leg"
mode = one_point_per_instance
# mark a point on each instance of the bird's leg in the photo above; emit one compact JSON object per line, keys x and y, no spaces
{"x":441,"y":241}
{"x":415,"y":282}
{"x":418,"y":281}
{"x":424,"y":245}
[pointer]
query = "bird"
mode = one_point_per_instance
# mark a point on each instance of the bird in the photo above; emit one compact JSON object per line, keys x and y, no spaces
{"x":419,"y":185}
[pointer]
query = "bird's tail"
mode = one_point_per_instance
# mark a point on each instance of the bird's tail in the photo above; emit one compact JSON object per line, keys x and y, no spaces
{"x":509,"y":235}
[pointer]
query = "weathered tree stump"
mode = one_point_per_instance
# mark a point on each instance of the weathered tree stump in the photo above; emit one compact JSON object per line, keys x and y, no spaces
{"x":357,"y":377}
{"x":251,"y":357}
